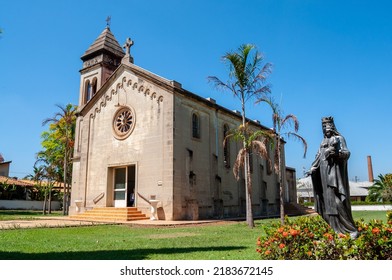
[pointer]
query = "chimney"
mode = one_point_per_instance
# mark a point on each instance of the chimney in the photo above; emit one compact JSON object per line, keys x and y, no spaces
{"x":370,"y":168}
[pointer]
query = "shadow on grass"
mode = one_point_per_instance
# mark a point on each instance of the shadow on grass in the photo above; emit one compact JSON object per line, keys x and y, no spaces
{"x":134,"y":254}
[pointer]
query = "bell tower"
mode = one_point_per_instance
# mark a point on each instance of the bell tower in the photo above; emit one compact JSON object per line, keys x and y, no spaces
{"x":99,"y":62}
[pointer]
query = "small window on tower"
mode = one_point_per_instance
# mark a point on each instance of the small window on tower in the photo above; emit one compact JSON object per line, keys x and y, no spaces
{"x":88,"y":91}
{"x":94,"y":86}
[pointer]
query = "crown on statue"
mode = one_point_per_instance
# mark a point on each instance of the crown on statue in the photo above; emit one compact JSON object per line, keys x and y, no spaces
{"x":327,"y":120}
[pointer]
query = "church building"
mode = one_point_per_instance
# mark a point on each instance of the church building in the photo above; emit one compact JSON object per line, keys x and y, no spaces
{"x":142,"y":137}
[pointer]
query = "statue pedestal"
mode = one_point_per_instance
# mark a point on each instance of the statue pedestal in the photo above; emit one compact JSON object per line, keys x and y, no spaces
{"x":153,"y":203}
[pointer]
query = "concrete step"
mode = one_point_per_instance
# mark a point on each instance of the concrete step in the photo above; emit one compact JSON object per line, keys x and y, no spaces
{"x":111,"y":214}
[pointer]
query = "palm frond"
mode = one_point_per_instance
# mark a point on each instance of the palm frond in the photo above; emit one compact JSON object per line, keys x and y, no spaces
{"x":239,"y":163}
{"x":291,"y":118}
{"x":300,"y":138}
{"x":264,"y":72}
{"x":218,"y":84}
{"x":261,"y":134}
{"x":261,"y":149}
{"x":273,"y":105}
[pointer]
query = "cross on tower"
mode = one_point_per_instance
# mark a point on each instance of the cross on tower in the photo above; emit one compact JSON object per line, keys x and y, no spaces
{"x":128,"y":44}
{"x":108,"y":19}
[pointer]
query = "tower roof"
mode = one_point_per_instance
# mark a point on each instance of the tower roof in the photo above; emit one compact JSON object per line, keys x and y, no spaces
{"x":106,"y":42}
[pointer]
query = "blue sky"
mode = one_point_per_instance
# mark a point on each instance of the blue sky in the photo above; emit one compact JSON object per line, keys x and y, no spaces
{"x":330,"y":58}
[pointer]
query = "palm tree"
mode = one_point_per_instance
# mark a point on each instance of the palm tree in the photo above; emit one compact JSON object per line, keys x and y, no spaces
{"x":280,"y":123}
{"x":64,"y":122}
{"x":51,"y":176}
{"x":381,"y":190}
{"x":256,"y":142}
{"x":37,"y":177}
{"x":253,"y":142}
{"x":46,"y":171}
{"x":247,"y":80}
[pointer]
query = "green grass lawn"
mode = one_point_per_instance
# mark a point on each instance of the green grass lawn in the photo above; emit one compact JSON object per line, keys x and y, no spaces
{"x":232,"y":241}
{"x":24,"y":214}
{"x":114,"y":242}
{"x":369,"y":215}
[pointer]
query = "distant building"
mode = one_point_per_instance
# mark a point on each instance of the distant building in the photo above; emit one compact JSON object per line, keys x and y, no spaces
{"x":4,"y":166}
{"x":358,"y":190}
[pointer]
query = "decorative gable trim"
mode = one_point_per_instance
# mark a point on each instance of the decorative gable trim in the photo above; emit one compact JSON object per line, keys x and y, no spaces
{"x":125,"y":85}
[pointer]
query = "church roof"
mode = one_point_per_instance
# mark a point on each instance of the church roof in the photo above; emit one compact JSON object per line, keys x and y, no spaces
{"x":106,"y":42}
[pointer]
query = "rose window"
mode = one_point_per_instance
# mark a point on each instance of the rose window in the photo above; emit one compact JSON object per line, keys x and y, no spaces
{"x":123,"y":122}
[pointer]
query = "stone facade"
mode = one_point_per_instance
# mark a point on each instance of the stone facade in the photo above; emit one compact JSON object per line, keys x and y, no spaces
{"x":141,"y":136}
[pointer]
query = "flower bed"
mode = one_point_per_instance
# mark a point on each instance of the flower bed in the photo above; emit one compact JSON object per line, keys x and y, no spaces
{"x":311,"y":238}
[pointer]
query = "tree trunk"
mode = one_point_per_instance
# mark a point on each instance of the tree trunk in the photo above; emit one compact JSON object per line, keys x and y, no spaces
{"x":44,"y":203}
{"x":280,"y":182}
{"x":65,"y":200}
{"x":50,"y":201}
{"x":248,"y":192}
{"x":247,"y":175}
{"x":68,"y":199}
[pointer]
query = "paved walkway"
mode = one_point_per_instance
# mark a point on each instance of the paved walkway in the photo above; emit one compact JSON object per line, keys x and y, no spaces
{"x":371,"y":207}
{"x":67,"y":222}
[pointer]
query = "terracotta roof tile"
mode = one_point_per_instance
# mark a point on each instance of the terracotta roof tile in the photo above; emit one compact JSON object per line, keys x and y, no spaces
{"x":12,"y":181}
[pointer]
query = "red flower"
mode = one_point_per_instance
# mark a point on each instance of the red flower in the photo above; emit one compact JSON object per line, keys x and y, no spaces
{"x":376,"y":230}
{"x":309,"y":253}
{"x":285,"y":234}
{"x":341,"y":235}
{"x":281,"y":245}
{"x":294,"y":232}
{"x":329,"y":236}
{"x":267,"y":252}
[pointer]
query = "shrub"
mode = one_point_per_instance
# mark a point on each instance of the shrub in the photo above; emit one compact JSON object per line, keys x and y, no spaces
{"x":311,"y":238}
{"x":389,"y":217}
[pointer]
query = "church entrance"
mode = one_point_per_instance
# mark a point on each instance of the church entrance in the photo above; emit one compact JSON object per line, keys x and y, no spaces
{"x":124,"y":186}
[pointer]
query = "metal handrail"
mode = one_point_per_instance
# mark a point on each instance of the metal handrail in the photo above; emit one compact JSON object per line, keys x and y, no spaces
{"x":98,"y":197}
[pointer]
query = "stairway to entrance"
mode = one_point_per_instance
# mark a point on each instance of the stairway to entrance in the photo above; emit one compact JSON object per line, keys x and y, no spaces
{"x":111,"y":214}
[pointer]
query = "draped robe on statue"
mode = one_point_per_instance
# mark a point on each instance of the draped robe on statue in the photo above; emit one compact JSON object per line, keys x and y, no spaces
{"x":331,"y":186}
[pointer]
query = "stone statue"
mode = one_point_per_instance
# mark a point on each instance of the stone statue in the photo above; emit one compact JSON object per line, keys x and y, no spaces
{"x":330,"y":181}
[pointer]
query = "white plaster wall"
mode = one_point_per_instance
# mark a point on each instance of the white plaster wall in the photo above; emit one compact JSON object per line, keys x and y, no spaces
{"x":27,"y":205}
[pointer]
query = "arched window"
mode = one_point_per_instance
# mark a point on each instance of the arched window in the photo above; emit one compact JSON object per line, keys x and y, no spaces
{"x":87,"y":91}
{"x":195,"y":126}
{"x":90,"y":88}
{"x":226,"y":147}
{"x":94,"y":87}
